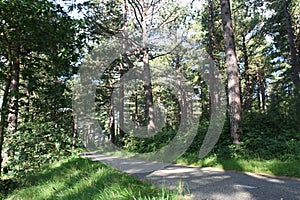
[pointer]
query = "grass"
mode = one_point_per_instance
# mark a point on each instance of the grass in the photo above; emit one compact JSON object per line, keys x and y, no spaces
{"x":289,"y":168}
{"x":78,"y":178}
{"x":276,"y":167}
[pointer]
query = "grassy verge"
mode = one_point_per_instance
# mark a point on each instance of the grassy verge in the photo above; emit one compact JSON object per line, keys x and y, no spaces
{"x":289,"y":168}
{"x":276,"y":167}
{"x":78,"y":178}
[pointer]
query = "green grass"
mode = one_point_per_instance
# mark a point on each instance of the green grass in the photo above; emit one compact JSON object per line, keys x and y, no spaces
{"x":275,"y":167}
{"x":78,"y":178}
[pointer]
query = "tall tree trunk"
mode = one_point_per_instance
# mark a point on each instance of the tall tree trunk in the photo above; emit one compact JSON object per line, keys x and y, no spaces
{"x":121,"y":102}
{"x":136,"y":110}
{"x":232,"y":72}
{"x":294,"y":61}
{"x":14,"y":89}
{"x":27,"y":102}
{"x":293,"y":51}
{"x":214,"y":94}
{"x":121,"y":68}
{"x":147,"y":74}
{"x":112,"y":119}
{"x":13,"y":92}
{"x":259,"y":90}
{"x":182,"y":115}
{"x":3,"y":122}
{"x":112,"y":124}
{"x":263,"y":92}
{"x":75,"y":131}
{"x":248,"y":87}
{"x":211,"y":28}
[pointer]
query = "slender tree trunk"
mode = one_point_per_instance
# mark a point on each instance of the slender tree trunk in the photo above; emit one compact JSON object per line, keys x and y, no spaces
{"x":183,"y":107}
{"x":112,"y":119}
{"x":293,"y":51}
{"x":263,"y":93}
{"x":248,"y":87}
{"x":262,"y":89}
{"x":13,"y":92}
{"x":112,"y":125}
{"x":121,"y":103}
{"x":136,"y":110}
{"x":121,"y":68}
{"x":159,"y":105}
{"x":232,"y":72}
{"x":75,"y":131}
{"x":259,"y":85}
{"x":294,"y":61}
{"x":147,"y":75}
{"x":3,"y":122}
{"x":214,"y":94}
{"x":27,"y":102}
{"x":14,"y":89}
{"x":211,"y":28}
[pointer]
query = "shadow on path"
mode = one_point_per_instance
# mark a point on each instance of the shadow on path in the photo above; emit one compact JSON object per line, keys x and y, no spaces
{"x":211,"y":183}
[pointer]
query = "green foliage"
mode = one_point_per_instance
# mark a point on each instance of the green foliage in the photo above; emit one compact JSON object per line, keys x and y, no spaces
{"x":51,"y":43}
{"x":267,"y":136}
{"x":37,"y":143}
{"x":7,"y":186}
{"x":78,"y":178}
{"x":289,"y":168}
{"x":49,"y":47}
{"x":144,"y":145}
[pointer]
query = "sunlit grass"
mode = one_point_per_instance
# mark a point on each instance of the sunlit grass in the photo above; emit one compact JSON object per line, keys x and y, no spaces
{"x":272,"y":167}
{"x":78,"y":178}
{"x":289,"y":168}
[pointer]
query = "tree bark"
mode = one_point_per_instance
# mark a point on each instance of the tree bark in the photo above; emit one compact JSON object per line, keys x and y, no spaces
{"x":75,"y":131}
{"x":112,"y":119}
{"x":14,"y":89}
{"x":10,"y":98}
{"x":121,"y":68}
{"x":214,"y":94}
{"x":3,"y":122}
{"x":294,"y":61}
{"x":112,"y":125}
{"x":259,"y":90}
{"x":149,"y":111}
{"x":27,"y":102}
{"x":136,"y":110}
{"x":211,"y":28}
{"x":293,"y":51}
{"x":13,"y":107}
{"x":248,"y":85}
{"x":263,"y":92}
{"x":182,"y":102}
{"x":232,"y":72}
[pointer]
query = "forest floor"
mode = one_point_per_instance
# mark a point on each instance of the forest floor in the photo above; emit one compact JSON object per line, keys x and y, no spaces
{"x":205,"y":183}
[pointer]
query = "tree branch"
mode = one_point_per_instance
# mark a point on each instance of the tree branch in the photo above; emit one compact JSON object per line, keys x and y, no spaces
{"x":136,"y":11}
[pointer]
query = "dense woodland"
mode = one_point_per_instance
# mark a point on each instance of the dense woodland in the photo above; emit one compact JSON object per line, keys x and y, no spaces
{"x":254,"y":44}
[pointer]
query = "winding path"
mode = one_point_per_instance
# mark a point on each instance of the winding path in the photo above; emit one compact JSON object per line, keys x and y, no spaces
{"x":206,"y":183}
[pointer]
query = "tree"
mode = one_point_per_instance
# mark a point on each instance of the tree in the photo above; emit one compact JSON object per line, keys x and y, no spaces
{"x":291,"y":38}
{"x":39,"y":46}
{"x":283,"y":23}
{"x":142,"y":13}
{"x":294,"y":58}
{"x":232,"y":72}
{"x":214,"y":94}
